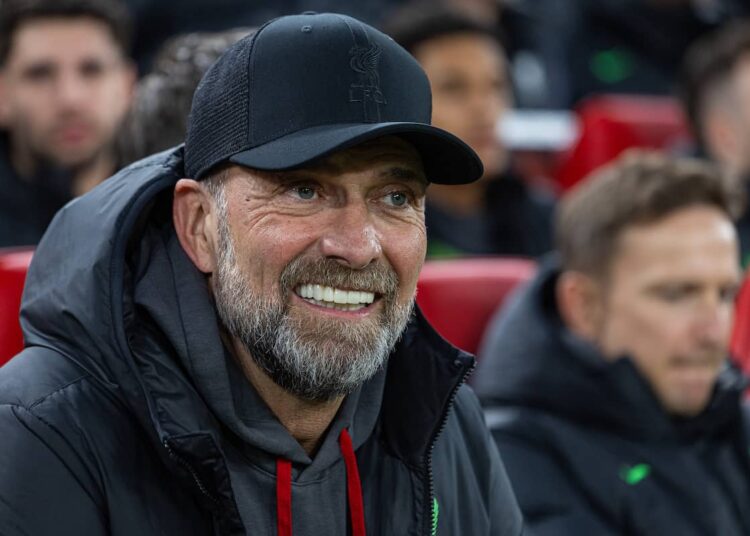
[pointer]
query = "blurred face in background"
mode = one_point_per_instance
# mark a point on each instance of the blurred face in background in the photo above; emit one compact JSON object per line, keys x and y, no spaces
{"x":725,"y":120}
{"x":668,"y":304}
{"x":64,"y":91}
{"x":470,"y":91}
{"x":739,"y":117}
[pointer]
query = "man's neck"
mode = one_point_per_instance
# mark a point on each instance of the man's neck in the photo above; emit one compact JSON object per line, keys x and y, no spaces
{"x":84,"y":178}
{"x":306,"y":421}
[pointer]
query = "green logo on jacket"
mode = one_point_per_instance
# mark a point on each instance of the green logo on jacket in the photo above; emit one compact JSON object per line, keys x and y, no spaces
{"x":435,"y":514}
{"x":633,"y":475}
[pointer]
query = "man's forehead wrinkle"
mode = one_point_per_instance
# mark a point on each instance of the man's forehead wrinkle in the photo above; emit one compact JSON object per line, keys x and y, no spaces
{"x":404,"y":173}
{"x":325,"y":166}
{"x":328,"y":169}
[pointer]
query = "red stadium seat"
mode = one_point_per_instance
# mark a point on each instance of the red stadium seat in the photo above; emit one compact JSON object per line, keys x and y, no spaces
{"x":610,"y":124}
{"x":459,"y":297}
{"x":13,"y":266}
{"x":740,"y":345}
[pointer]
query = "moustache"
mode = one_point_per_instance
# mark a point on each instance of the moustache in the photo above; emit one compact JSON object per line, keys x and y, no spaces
{"x":377,"y":278}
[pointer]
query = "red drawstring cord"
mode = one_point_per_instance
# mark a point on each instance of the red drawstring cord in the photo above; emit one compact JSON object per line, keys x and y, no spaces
{"x":353,"y":490}
{"x":284,"y":497}
{"x":353,"y":484}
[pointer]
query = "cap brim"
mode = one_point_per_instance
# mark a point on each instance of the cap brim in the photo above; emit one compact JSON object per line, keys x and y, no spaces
{"x":446,"y":159}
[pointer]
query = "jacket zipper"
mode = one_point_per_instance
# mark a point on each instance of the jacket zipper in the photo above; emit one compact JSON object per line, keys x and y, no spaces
{"x":185,"y":464}
{"x":431,"y":520}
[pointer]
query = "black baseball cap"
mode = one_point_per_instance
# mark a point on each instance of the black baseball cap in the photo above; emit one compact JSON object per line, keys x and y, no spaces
{"x":305,"y":86}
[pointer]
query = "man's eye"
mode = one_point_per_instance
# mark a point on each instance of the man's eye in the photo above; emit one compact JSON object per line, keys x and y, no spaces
{"x":728,"y":294}
{"x":92,"y":69}
{"x":397,"y":199}
{"x":39,"y":73}
{"x":452,"y":87}
{"x":672,"y":294}
{"x":305,"y":192}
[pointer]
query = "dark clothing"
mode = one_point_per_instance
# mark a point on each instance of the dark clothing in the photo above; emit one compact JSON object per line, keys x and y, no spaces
{"x":27,"y":205}
{"x":743,"y":227}
{"x":125,"y":415}
{"x":586,"y":444}
{"x":156,"y":22}
{"x":516,"y":220}
{"x":589,"y":47}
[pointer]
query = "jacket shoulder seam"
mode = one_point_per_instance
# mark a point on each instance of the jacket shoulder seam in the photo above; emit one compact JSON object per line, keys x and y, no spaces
{"x":61,"y":388}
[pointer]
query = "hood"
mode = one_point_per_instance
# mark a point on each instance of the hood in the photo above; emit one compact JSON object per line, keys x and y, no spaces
{"x":530,"y":359}
{"x":75,"y":298}
{"x":110,"y":288}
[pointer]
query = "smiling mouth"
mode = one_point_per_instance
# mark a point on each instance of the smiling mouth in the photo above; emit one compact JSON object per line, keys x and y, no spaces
{"x":335,"y":298}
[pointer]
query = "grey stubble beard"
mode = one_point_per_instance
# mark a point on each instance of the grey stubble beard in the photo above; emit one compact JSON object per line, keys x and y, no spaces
{"x":314,"y":358}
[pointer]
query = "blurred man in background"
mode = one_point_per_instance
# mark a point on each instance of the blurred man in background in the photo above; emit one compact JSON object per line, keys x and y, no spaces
{"x":609,"y":392}
{"x":159,"y":114}
{"x":471,"y":90}
{"x":716,"y":97}
{"x":65,"y":87}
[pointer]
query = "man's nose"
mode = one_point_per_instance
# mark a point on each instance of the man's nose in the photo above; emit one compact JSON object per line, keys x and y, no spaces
{"x":484,"y":101}
{"x":714,"y":320}
{"x":350,"y":237}
{"x":71,"y":89}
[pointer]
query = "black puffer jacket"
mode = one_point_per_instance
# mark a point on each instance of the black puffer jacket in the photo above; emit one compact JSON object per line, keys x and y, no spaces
{"x":115,"y":418}
{"x":586,"y":444}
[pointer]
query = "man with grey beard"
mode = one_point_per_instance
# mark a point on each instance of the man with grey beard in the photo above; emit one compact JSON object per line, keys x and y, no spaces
{"x":222,"y":338}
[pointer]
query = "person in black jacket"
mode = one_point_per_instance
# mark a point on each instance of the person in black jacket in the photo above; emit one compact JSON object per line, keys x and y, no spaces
{"x":66,"y":83}
{"x":221,"y":339}
{"x":606,"y":380}
{"x":500,"y":214}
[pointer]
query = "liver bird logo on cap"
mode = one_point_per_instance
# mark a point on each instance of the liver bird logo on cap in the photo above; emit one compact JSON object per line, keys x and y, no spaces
{"x":364,"y":61}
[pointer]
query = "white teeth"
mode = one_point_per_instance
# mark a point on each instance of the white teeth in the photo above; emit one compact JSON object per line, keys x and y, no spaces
{"x":345,"y":300}
{"x":340,"y":296}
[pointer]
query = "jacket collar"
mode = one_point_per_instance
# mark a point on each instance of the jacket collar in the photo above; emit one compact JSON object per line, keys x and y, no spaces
{"x":424,"y":373}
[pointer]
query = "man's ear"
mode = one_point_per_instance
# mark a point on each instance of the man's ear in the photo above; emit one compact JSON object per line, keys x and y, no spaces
{"x":194,"y":218}
{"x":130,"y":80}
{"x":3,"y":102}
{"x":579,"y":302}
{"x":720,"y":135}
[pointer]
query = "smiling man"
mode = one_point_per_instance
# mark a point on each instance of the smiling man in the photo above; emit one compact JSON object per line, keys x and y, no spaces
{"x":65,"y":87}
{"x":222,"y":339}
{"x":610,"y":394}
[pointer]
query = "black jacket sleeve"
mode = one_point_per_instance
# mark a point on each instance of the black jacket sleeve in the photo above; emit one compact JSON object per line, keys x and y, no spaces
{"x":550,"y":503}
{"x":41,"y":490}
{"x":467,"y":467}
